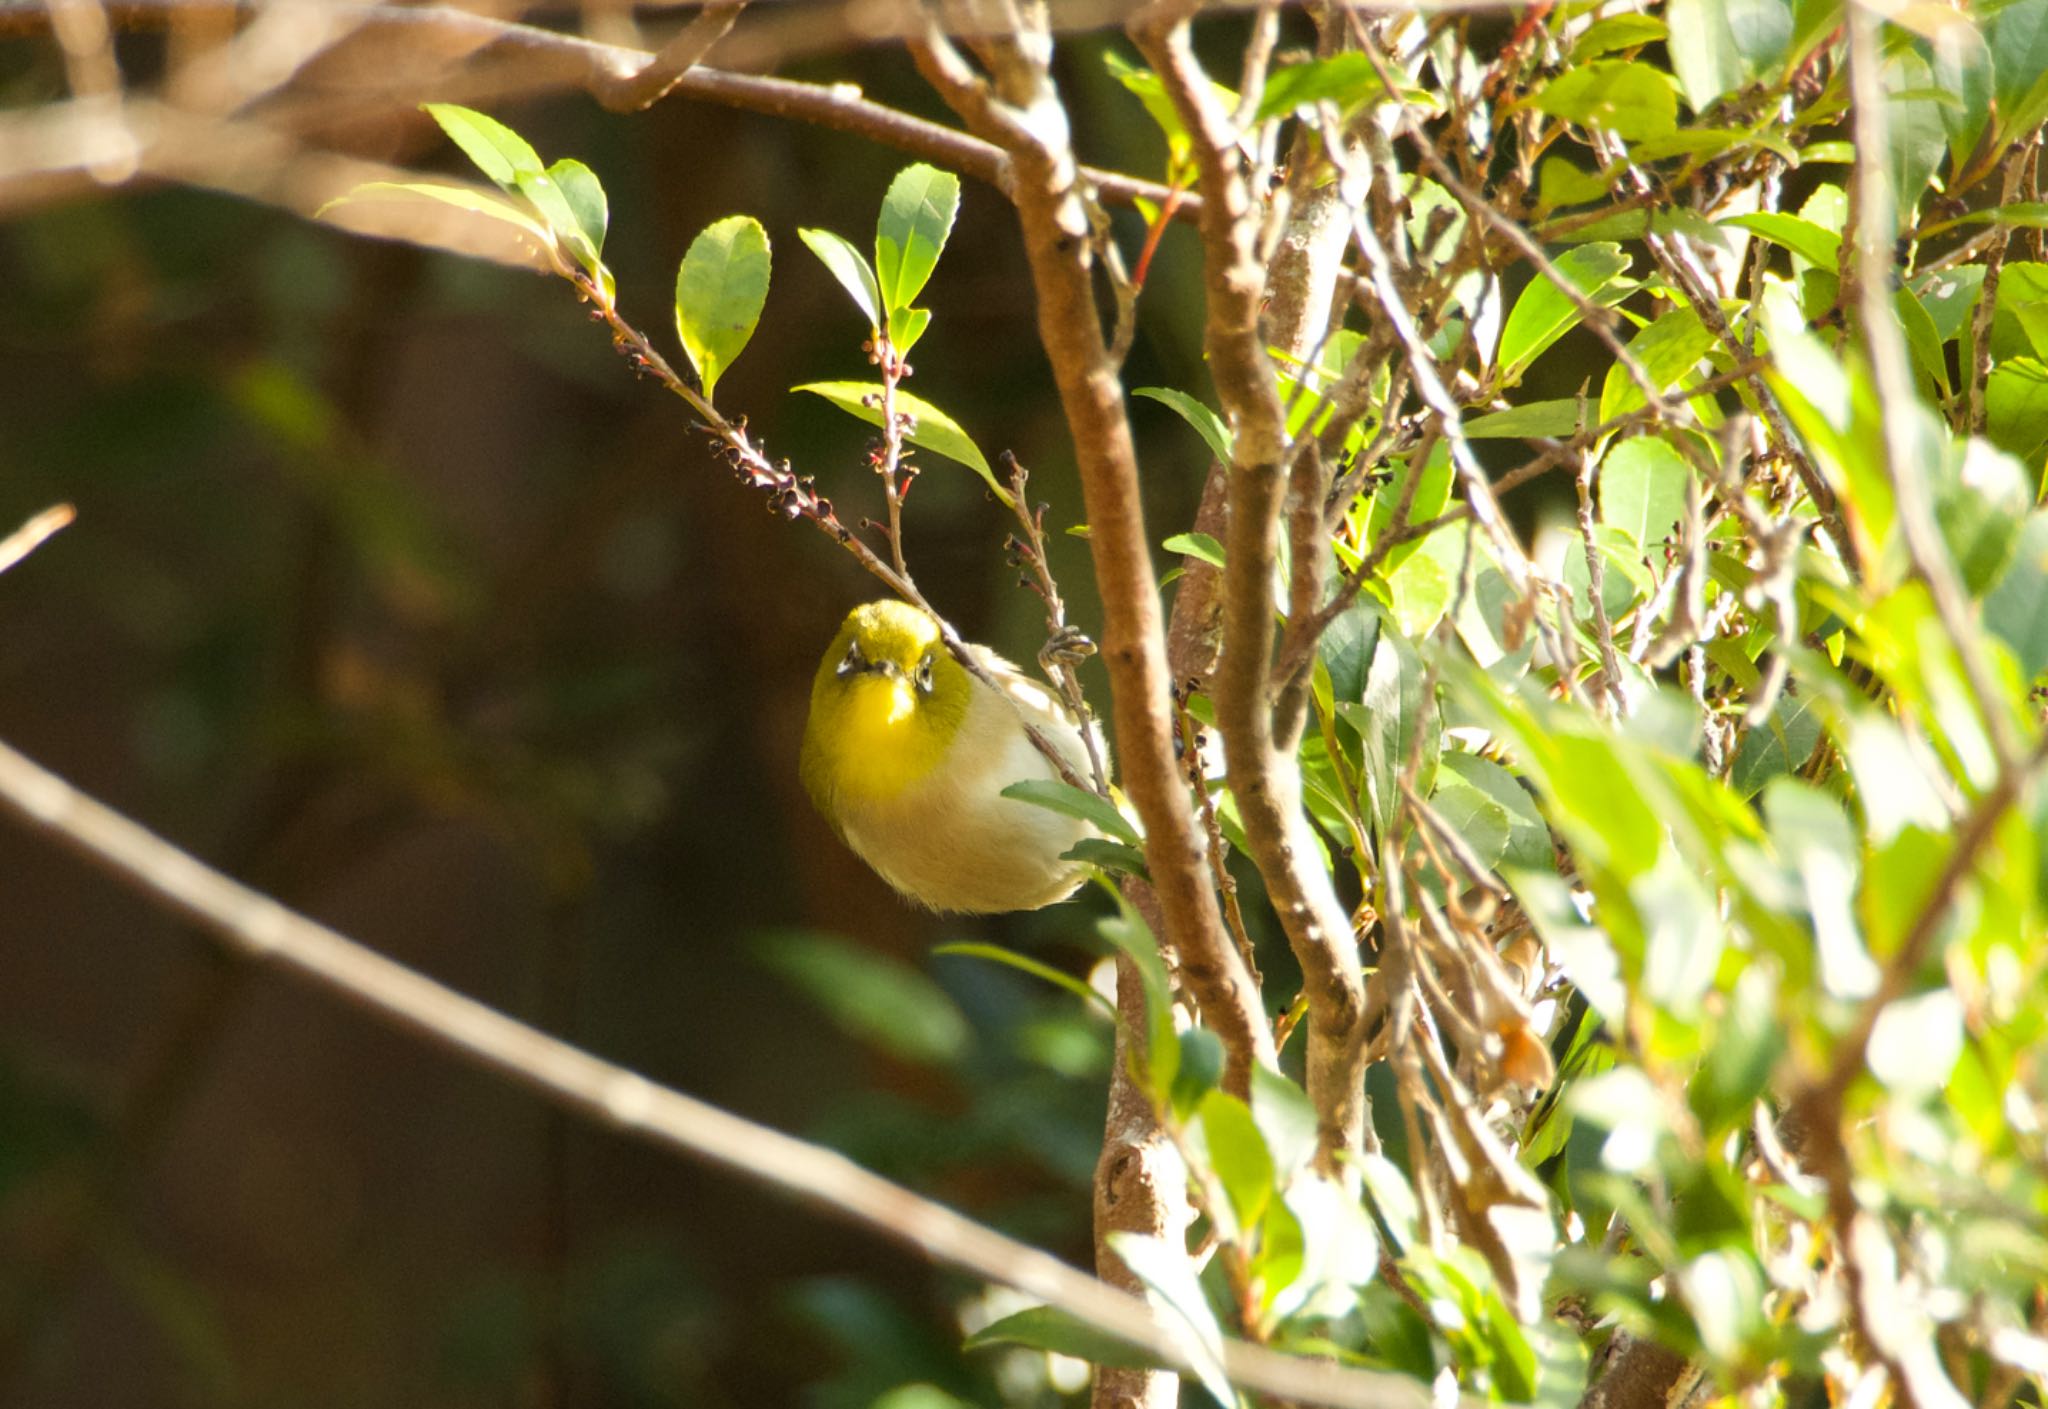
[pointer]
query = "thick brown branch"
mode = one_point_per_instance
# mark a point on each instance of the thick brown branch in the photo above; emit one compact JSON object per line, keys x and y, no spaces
{"x":1262,"y":776}
{"x":1056,"y":239}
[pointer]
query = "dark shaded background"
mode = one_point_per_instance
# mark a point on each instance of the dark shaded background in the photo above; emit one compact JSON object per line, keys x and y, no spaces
{"x":394,"y":593}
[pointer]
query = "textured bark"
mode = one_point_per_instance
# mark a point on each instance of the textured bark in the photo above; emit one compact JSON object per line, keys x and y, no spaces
{"x":1263,"y":776}
{"x":1140,"y":1187}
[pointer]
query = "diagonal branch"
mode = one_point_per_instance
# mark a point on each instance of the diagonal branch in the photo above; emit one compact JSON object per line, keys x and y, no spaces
{"x":456,"y":54}
{"x":263,"y":930}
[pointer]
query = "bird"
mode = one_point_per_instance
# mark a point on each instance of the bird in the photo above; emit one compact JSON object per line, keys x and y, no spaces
{"x":906,"y":755}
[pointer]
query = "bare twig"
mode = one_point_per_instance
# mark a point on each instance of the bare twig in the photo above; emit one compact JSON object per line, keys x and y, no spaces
{"x":33,"y":534}
{"x":675,"y":59}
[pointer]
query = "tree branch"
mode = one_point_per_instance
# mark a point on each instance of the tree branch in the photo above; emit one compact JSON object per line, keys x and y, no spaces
{"x":1057,"y":242}
{"x":484,"y":57}
{"x":1262,"y":776}
{"x":260,"y":929}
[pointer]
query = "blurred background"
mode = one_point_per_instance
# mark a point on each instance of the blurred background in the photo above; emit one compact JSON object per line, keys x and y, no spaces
{"x":395,"y":594}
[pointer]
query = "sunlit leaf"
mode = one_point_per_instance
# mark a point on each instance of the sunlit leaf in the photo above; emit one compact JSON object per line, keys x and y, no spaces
{"x":917,"y":216}
{"x":1207,"y":423}
{"x":930,"y":428}
{"x":499,"y":153}
{"x":850,"y":267}
{"x":721,"y":288}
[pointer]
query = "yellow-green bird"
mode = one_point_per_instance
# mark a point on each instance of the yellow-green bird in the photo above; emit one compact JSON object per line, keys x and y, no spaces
{"x":906,"y":754}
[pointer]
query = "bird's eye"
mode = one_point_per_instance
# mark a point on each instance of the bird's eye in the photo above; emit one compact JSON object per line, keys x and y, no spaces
{"x":854,"y":661}
{"x":924,"y":675}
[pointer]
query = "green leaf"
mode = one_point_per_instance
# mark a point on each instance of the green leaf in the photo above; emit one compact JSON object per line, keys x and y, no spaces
{"x":930,"y":428}
{"x":917,"y":216}
{"x":1642,"y":489}
{"x":1813,"y":243}
{"x":1718,"y":46}
{"x":1286,"y":1121}
{"x":1916,"y":126}
{"x":1238,"y":1156}
{"x":1061,"y":1332}
{"x":1746,"y":1042}
{"x":1170,"y":1284}
{"x":1024,"y":963}
{"x":1667,"y":350}
{"x":1527,"y":841}
{"x":1779,"y":745}
{"x":1128,"y":932}
{"x":2016,"y":408}
{"x":566,"y":217}
{"x":1561,"y":183}
{"x":1633,"y":101}
{"x":2017,"y":37}
{"x":461,"y":197}
{"x":1347,"y":648}
{"x":850,"y":267}
{"x":1196,"y":545}
{"x":1343,"y":79}
{"x":1202,"y":1060}
{"x":721,"y":287}
{"x":869,"y":995}
{"x":1394,"y":709}
{"x":585,"y":198}
{"x":1543,"y":313}
{"x":1207,"y":423}
{"x":2014,"y":608}
{"x":1107,"y":855}
{"x":1546,"y":419}
{"x":1604,"y":36}
{"x":499,"y":153}
{"x":1070,"y":801}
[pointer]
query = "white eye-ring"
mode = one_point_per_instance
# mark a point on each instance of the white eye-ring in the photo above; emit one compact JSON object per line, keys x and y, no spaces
{"x":924,"y":675}
{"x":854,"y":660}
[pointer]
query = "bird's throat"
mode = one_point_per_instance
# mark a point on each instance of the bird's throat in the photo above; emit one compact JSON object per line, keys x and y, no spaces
{"x":887,"y":739}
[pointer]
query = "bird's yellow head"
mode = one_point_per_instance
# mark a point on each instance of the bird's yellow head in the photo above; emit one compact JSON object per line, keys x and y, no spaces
{"x":886,"y":704}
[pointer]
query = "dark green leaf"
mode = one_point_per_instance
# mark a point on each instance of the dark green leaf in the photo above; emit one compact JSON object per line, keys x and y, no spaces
{"x":1543,"y":313}
{"x":870,"y":995}
{"x":1049,"y":1328}
{"x":1207,"y":423}
{"x":1070,"y":801}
